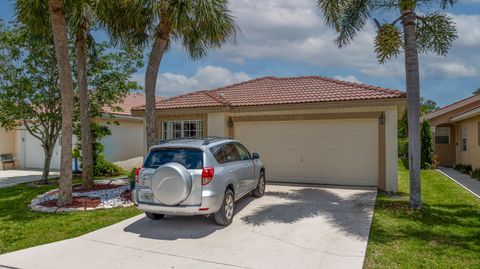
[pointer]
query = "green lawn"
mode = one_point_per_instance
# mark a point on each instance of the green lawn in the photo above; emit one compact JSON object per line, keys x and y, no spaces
{"x":444,"y":234}
{"x":21,"y":228}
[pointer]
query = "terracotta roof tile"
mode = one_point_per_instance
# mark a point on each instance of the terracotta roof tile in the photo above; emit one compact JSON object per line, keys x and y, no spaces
{"x":131,"y":100}
{"x":273,"y":91}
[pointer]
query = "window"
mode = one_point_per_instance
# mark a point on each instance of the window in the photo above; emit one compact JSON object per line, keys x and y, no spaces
{"x":464,"y":138}
{"x":180,"y":129}
{"x":218,"y":154}
{"x":231,"y":153}
{"x":244,"y":154}
{"x":442,"y":135}
{"x":188,"y":157}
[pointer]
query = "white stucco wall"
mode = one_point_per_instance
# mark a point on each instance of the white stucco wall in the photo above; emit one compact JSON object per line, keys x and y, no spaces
{"x":126,"y":140}
{"x":217,"y":124}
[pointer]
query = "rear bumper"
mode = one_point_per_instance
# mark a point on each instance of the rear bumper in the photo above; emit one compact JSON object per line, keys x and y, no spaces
{"x":211,"y":203}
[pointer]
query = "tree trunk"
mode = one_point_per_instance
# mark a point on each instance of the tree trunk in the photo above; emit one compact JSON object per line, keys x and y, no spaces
{"x":85,"y":124}
{"x":60,"y":37}
{"x":413,"y":106}
{"x":162,"y":35}
{"x":48,"y":150}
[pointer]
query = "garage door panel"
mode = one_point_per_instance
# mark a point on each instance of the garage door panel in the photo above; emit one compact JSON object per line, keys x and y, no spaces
{"x":321,"y":151}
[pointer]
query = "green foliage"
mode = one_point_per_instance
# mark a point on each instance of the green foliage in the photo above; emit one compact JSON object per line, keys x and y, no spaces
{"x":131,"y":175}
{"x":463,"y":168}
{"x":426,"y":145}
{"x":98,"y":132}
{"x":403,"y":148}
{"x":104,"y":168}
{"x":476,"y":173}
{"x":435,"y":31}
{"x":476,"y":92}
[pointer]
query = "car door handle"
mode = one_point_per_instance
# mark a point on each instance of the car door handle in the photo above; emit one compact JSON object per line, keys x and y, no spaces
{"x":231,"y":170}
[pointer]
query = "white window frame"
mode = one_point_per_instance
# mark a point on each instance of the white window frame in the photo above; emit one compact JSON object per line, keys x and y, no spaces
{"x":442,"y":130}
{"x":199,"y":132}
{"x":464,"y":138}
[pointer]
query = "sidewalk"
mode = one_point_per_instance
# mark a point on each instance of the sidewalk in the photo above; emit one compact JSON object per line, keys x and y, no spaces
{"x":470,"y":184}
{"x":10,"y":178}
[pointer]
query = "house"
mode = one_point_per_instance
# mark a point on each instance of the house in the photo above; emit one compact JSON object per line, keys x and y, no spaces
{"x":125,"y":142}
{"x":306,"y":129}
{"x":456,"y":129}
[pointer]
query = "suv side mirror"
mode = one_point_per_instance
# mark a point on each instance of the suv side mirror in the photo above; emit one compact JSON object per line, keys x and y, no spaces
{"x":255,"y":156}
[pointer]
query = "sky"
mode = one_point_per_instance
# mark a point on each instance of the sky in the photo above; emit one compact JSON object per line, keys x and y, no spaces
{"x":290,"y":38}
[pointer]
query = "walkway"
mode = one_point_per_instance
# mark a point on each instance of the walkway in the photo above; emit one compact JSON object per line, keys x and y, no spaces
{"x":10,"y":178}
{"x":470,"y":184}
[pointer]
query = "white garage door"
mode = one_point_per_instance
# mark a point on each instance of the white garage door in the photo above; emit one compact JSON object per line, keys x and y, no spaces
{"x":35,"y":156}
{"x":341,"y":152}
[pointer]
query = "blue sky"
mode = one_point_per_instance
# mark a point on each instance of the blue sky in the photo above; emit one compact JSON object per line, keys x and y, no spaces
{"x":289,"y":38}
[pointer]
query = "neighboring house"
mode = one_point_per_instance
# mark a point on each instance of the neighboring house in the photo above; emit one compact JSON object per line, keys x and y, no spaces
{"x":125,"y":142}
{"x":306,"y":129}
{"x":456,"y":129}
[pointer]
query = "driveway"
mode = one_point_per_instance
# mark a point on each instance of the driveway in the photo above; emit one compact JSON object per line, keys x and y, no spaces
{"x":290,"y":227}
{"x":13,"y":177}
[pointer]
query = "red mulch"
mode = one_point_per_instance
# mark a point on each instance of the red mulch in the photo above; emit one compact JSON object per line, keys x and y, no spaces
{"x":76,"y":203}
{"x":126,"y":195}
{"x":98,"y":187}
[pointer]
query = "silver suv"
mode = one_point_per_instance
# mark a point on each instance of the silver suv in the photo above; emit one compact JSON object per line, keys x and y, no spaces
{"x":197,"y":177}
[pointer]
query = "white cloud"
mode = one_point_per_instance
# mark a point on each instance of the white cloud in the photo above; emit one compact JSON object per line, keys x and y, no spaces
{"x":207,"y":77}
{"x":454,"y":69}
{"x":348,"y":78}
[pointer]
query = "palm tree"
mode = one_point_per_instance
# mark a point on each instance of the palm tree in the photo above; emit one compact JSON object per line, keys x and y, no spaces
{"x":429,"y":32}
{"x":199,"y":24}
{"x":60,"y":37}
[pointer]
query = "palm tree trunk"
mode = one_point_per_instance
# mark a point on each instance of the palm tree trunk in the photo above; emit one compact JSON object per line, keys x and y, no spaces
{"x":60,"y":37}
{"x":413,"y":106}
{"x":85,"y":124}
{"x":162,"y":35}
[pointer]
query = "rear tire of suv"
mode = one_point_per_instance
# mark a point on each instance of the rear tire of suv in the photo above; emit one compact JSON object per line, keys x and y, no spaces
{"x":154,"y":215}
{"x":259,"y":191}
{"x":224,"y":216}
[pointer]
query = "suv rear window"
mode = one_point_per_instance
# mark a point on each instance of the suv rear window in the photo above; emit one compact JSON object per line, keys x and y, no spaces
{"x":188,"y":157}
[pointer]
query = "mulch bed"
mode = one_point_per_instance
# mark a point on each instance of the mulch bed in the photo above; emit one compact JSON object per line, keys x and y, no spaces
{"x":127,"y":195}
{"x":77,"y":202}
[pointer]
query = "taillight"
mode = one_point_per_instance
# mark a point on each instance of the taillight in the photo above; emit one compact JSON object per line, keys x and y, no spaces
{"x":137,"y":172}
{"x":207,"y":175}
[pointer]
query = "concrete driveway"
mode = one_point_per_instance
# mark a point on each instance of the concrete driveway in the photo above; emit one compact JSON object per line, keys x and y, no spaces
{"x":290,"y":227}
{"x":13,"y":177}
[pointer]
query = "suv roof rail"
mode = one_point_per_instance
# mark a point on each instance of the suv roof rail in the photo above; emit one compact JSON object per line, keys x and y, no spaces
{"x":207,"y":140}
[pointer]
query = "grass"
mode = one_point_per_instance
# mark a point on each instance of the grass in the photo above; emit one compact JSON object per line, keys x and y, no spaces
{"x":444,"y":234}
{"x":21,"y":228}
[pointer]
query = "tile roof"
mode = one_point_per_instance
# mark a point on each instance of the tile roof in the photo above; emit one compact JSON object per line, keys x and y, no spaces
{"x":274,"y":91}
{"x":453,"y":106}
{"x":131,"y":100}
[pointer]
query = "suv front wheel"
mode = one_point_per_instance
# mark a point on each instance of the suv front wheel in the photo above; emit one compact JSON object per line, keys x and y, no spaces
{"x":225,"y":215}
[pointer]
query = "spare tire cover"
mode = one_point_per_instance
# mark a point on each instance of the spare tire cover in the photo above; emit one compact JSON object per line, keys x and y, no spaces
{"x":171,"y":183}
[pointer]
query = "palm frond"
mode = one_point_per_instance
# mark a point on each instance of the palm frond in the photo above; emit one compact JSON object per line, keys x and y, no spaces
{"x":435,"y":33}
{"x":353,"y":17}
{"x":331,"y":10}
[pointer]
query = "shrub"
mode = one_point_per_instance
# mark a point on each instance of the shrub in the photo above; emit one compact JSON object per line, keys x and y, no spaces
{"x":403,"y":147}
{"x":463,"y":168}
{"x":104,"y":168}
{"x":476,"y":173}
{"x":426,"y":145}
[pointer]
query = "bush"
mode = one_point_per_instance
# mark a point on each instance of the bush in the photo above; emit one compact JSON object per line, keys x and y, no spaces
{"x":104,"y":168}
{"x":463,"y":168}
{"x":403,"y":148}
{"x":476,"y":173}
{"x":426,"y":145}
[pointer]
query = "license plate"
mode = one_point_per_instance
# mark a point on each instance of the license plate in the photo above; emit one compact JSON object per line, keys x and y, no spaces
{"x":145,"y":196}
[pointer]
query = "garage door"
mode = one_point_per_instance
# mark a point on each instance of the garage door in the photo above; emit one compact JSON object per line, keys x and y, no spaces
{"x":34,"y":155}
{"x":341,"y":152}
